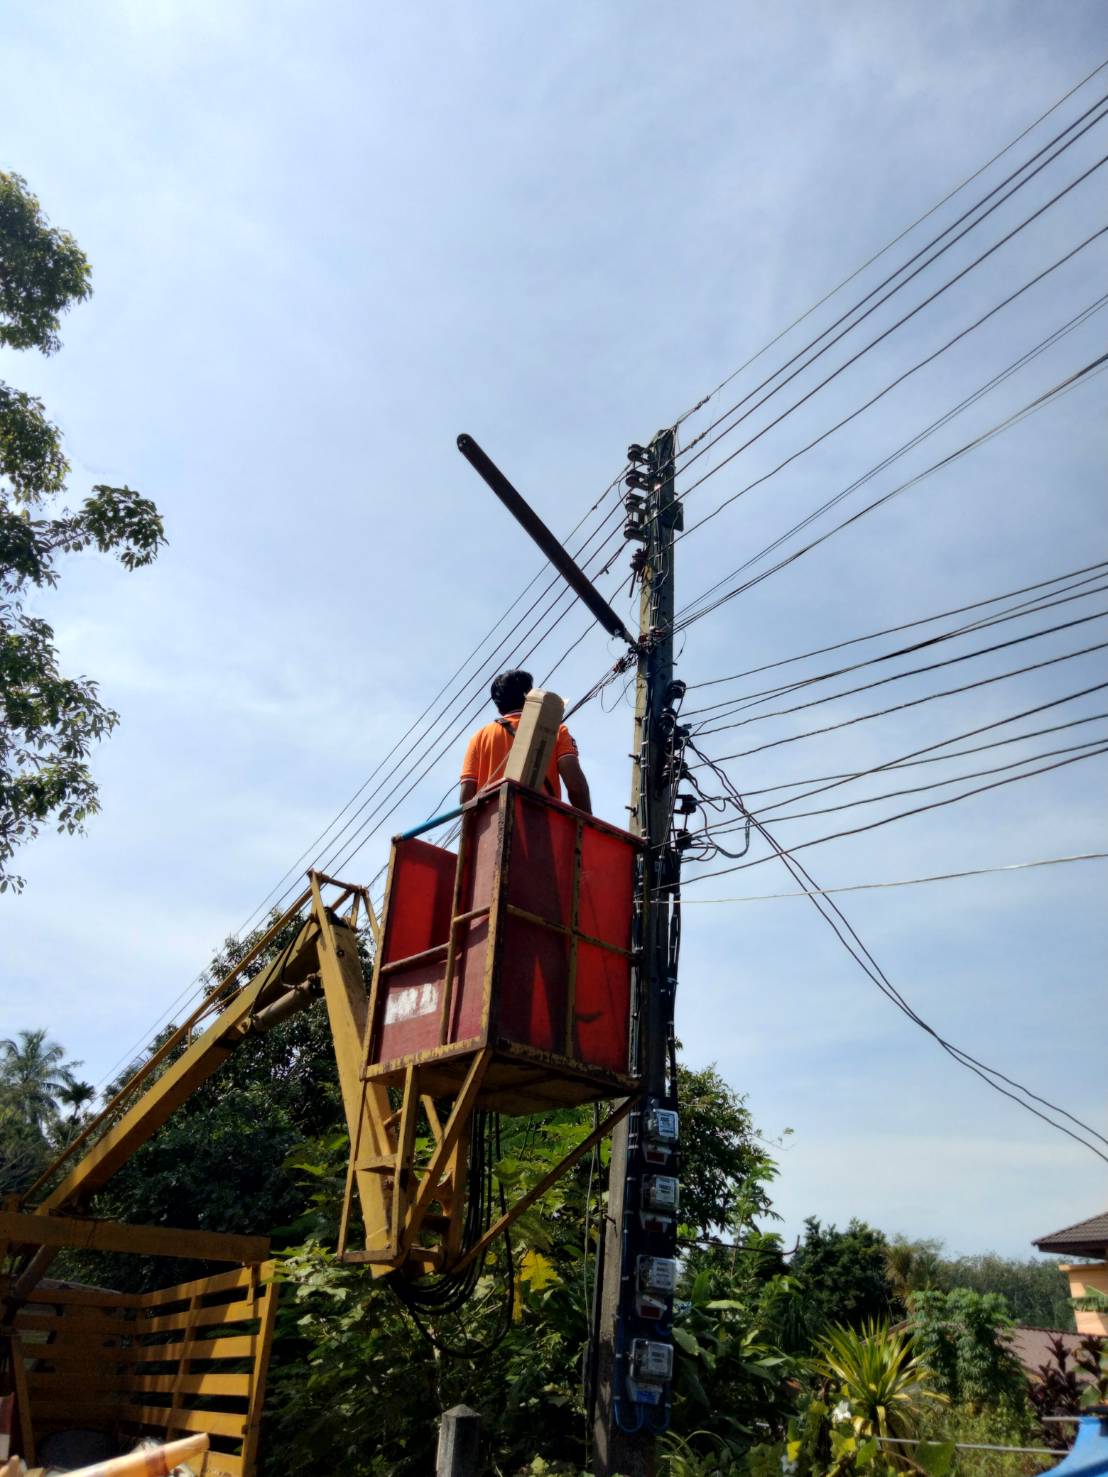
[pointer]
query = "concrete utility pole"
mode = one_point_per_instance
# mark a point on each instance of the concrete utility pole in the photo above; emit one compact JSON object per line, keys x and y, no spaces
{"x":618,"y":1446}
{"x":632,"y":1367}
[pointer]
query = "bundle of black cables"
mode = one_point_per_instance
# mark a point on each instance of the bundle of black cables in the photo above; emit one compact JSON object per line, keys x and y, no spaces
{"x":437,"y":1297}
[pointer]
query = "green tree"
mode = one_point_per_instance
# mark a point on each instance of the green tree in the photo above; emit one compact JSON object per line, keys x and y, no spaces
{"x":35,"y":1079}
{"x":845,"y":1274}
{"x":1033,"y":1288}
{"x":961,"y":1335}
{"x":341,"y":1333}
{"x":48,"y":722}
{"x":1036,"y":1292}
{"x":222,"y":1161}
{"x":912,"y":1265}
{"x":23,"y":1146}
{"x":36,"y":1073}
{"x":76,"y":1096}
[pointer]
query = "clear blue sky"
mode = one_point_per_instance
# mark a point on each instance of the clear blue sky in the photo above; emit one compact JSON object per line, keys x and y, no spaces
{"x":326,"y":240}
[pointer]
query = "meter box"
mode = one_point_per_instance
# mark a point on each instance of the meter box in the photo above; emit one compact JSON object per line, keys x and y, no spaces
{"x":655,"y":1284}
{"x":651,"y":1360}
{"x":650,"y":1369}
{"x":658,"y":1202}
{"x":658,"y":1275}
{"x":659,"y":1134}
{"x":518,"y":941}
{"x":661,"y":1193}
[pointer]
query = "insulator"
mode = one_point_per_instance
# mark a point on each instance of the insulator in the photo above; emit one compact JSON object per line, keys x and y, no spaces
{"x":637,"y":453}
{"x":674,"y":692}
{"x":639,"y":479}
{"x":634,"y":531}
{"x":686,"y":804}
{"x":633,"y":502}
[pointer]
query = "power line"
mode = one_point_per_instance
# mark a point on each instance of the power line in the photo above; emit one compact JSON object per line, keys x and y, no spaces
{"x":849,"y":938}
{"x":889,"y":246}
{"x":1032,"y":406}
{"x":768,"y":897}
{"x":916,"y":810}
{"x":953,"y":779}
{"x":1065,"y":595}
{"x":922,"y":363}
{"x":926,"y":302}
{"x":949,"y":661}
{"x":986,"y":388}
{"x":944,"y":743}
{"x":915,"y":702}
{"x":912,"y":763}
{"x":926,"y":620}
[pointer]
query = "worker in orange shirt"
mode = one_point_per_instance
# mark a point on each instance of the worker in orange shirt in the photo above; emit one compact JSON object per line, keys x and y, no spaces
{"x":487,"y":751}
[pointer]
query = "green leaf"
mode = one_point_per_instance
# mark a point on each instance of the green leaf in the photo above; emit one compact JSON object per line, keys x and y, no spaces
{"x":702,"y":1285}
{"x":936,"y":1457}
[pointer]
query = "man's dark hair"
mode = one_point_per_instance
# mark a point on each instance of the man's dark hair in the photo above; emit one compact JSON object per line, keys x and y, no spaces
{"x":509,"y":689}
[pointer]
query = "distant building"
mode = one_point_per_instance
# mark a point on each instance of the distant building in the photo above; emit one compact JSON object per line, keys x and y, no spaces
{"x":1088,"y":1239}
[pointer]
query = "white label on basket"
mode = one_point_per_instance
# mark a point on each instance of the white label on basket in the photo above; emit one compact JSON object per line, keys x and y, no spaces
{"x":406,"y":1004}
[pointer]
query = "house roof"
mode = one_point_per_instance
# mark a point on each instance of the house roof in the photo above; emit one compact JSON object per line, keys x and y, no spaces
{"x":1032,"y":1346}
{"x":1086,"y":1238}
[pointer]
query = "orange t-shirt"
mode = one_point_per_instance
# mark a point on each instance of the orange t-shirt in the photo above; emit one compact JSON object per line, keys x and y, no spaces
{"x":487,"y":753}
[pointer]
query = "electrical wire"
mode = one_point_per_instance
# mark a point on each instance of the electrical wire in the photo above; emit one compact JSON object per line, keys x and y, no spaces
{"x":928,"y":749}
{"x":850,"y":940}
{"x":915,"y":702}
{"x":912,"y":763}
{"x":916,"y":810}
{"x":986,"y":388}
{"x":794,"y":815}
{"x":1064,"y":596}
{"x":901,"y":378}
{"x":949,"y":661}
{"x":1043,"y":600}
{"x":768,"y":897}
{"x":881,"y":301}
{"x":711,"y":394}
{"x":1071,"y":382}
{"x":926,"y":620}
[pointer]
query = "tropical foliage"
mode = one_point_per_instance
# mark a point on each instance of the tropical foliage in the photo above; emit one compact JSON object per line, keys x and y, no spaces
{"x":818,"y":1361}
{"x":48,"y":722}
{"x":1035,"y":1291}
{"x":41,"y":1102}
{"x":881,"y":1380}
{"x":962,"y":1336}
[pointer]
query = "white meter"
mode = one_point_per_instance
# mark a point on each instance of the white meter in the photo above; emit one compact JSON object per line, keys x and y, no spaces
{"x":660,"y":1192}
{"x":651,"y":1369}
{"x":651,"y":1360}
{"x":659,"y":1135}
{"x":657,"y":1275}
{"x":660,"y":1125}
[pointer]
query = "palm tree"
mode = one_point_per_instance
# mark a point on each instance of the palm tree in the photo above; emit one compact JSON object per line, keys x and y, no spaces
{"x":912,"y":1266}
{"x":35,"y":1072}
{"x":886,"y":1385}
{"x":74,"y":1095}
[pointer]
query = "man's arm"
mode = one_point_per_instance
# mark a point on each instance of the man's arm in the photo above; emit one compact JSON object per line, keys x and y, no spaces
{"x":577,"y":786}
{"x":466,"y":791}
